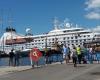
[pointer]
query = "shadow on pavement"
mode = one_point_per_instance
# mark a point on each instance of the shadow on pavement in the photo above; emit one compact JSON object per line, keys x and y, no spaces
{"x":95,"y":73}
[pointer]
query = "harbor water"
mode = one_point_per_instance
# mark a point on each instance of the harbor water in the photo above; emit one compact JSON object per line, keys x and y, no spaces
{"x":26,"y":60}
{"x":42,"y":61}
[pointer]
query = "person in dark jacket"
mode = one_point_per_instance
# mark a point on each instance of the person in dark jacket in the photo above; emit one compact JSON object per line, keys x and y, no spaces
{"x":48,"y":57}
{"x":11,"y":58}
{"x":17,"y":56}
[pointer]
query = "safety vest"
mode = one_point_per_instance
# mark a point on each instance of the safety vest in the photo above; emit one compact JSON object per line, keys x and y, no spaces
{"x":78,"y":49}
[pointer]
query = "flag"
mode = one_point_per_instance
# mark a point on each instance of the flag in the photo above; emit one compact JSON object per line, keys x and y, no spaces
{"x":35,"y":54}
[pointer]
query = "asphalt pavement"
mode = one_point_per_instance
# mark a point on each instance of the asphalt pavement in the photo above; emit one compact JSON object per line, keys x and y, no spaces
{"x":55,"y":71}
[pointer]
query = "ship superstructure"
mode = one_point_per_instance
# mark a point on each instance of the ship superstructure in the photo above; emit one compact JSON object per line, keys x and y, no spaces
{"x":68,"y":35}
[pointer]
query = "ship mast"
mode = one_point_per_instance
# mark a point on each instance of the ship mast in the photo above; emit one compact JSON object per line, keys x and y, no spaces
{"x":56,"y":23}
{"x":10,"y":27}
{"x":2,"y":30}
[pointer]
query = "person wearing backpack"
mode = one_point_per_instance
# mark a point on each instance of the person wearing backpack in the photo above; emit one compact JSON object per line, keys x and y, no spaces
{"x":74,"y":56}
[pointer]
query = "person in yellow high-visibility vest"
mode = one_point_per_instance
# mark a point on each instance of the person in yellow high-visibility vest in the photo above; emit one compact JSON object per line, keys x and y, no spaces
{"x":79,"y":54}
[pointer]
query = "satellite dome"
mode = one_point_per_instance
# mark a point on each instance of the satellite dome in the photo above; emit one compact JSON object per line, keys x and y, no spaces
{"x":28,"y":30}
{"x":68,"y":25}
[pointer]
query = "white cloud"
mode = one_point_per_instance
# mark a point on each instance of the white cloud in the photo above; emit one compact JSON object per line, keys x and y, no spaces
{"x":93,"y":8}
{"x":93,"y":15}
{"x":97,"y":29}
{"x":93,"y":4}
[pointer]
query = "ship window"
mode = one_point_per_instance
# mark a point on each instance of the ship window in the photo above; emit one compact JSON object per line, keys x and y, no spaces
{"x":75,"y":37}
{"x":80,"y":43}
{"x":72,"y":41}
{"x":64,"y":38}
{"x":76,"y":40}
{"x":67,"y":37}
{"x":67,"y":41}
{"x":53,"y":39}
{"x":93,"y":39}
{"x":84,"y":36}
{"x":35,"y":40}
{"x":88,"y":35}
{"x":84,"y":39}
{"x":64,"y":31}
{"x":56,"y":38}
{"x":71,"y":37}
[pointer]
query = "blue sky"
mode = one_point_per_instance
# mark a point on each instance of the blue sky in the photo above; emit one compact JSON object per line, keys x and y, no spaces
{"x":39,"y":14}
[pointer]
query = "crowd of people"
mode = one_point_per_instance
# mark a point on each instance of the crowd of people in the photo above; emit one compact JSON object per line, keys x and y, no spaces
{"x":80,"y":54}
{"x":77,"y":54}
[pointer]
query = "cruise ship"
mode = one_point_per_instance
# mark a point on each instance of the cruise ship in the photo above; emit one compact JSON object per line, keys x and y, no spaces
{"x":66,"y":34}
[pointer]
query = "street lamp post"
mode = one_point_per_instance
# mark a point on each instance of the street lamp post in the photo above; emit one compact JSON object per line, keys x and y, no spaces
{"x":28,"y":40}
{"x":46,"y":43}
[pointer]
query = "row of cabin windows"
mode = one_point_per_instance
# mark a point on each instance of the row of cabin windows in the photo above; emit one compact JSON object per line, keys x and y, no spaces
{"x":71,"y":41}
{"x":75,"y":37}
{"x":65,"y":38}
{"x":49,"y":40}
{"x":60,"y":43}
